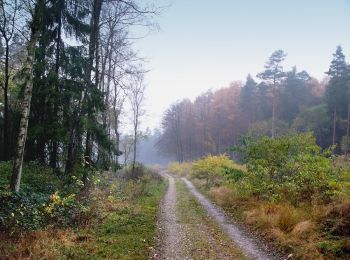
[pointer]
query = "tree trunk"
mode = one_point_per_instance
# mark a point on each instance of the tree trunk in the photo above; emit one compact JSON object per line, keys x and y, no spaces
{"x":88,"y":148}
{"x":54,"y":151}
{"x":273,"y":109}
{"x":347,"y":132}
{"x":70,"y":154}
{"x":6,"y":108}
{"x":23,"y":126}
{"x":95,"y":19}
{"x":108,"y":57}
{"x":135,"y":140}
{"x":116,"y":128}
{"x":334,"y":125}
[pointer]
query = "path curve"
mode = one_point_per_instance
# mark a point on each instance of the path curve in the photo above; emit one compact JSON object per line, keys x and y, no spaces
{"x":248,"y":246}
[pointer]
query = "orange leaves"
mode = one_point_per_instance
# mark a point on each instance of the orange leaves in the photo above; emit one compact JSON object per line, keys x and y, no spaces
{"x":210,"y":124}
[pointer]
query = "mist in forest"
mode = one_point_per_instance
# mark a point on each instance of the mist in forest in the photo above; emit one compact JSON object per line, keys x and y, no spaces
{"x":244,"y":106}
{"x":148,"y":153}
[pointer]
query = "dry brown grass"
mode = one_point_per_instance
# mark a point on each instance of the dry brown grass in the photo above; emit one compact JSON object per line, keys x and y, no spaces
{"x":295,"y":230}
{"x":288,"y":217}
{"x":303,"y":228}
{"x":270,"y":215}
{"x":223,"y":196}
{"x":43,"y":244}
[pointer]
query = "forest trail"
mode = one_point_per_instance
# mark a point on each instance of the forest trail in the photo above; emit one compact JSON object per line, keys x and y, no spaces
{"x":171,"y":232}
{"x":191,"y":227}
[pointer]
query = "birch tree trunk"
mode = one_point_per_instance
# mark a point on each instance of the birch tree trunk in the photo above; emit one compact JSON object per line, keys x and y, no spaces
{"x":23,"y":126}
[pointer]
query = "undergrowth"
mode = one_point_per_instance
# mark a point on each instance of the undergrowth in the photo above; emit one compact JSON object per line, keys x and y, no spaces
{"x":115,"y":220}
{"x":288,"y":190}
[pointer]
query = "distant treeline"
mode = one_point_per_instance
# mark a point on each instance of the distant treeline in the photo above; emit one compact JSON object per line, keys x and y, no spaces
{"x":280,"y":102}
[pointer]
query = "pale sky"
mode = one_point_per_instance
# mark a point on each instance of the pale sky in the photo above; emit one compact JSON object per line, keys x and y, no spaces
{"x":206,"y":44}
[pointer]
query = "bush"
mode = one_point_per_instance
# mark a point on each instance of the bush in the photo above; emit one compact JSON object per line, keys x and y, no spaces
{"x":180,"y":169}
{"x":289,"y":167}
{"x":44,"y":198}
{"x":64,"y":210}
{"x":21,"y":211}
{"x":34,"y":176}
{"x":139,"y":183}
{"x":214,"y":169}
{"x":139,"y":171}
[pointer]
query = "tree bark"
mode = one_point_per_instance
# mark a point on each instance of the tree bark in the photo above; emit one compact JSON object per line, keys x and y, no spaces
{"x":7,"y":32}
{"x":334,"y":125}
{"x":273,"y":109}
{"x":70,"y":154}
{"x":116,"y":113}
{"x":54,"y":152}
{"x":136,"y":118}
{"x":134,"y":151}
{"x":347,"y":132}
{"x":6,"y":108}
{"x":23,"y":126}
{"x":106,"y":57}
{"x":95,"y":19}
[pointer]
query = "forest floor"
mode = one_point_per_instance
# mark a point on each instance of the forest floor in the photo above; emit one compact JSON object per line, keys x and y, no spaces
{"x":122,"y":225}
{"x":191,"y":227}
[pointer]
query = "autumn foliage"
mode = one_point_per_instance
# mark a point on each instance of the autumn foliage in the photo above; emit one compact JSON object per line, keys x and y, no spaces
{"x":206,"y":126}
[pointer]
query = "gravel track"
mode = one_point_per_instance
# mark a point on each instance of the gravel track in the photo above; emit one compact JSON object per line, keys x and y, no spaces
{"x":250,"y":248}
{"x":171,"y":234}
{"x":184,"y":233}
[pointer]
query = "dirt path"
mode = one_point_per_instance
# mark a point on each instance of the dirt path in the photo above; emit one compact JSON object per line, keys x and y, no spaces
{"x":191,"y":227}
{"x":170,"y":232}
{"x":249,"y":247}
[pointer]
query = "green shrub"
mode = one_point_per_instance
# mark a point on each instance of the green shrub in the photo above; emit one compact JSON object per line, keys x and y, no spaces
{"x":45,"y":198}
{"x":290,"y":167}
{"x":35,"y":178}
{"x":139,"y":184}
{"x":215,"y":169}
{"x":129,"y":173}
{"x":22,"y":211}
{"x":234,"y":174}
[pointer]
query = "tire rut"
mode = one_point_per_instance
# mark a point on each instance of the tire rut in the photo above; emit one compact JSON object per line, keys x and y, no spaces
{"x":171,"y":235}
{"x":191,"y":227}
{"x":249,"y":246}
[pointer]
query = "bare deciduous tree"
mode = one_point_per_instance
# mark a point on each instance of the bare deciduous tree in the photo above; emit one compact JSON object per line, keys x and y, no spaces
{"x":136,"y":98}
{"x":8,"y":14}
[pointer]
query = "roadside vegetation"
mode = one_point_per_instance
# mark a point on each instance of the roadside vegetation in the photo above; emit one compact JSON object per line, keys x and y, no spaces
{"x":288,"y":189}
{"x":179,"y":169}
{"x":54,"y":217}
